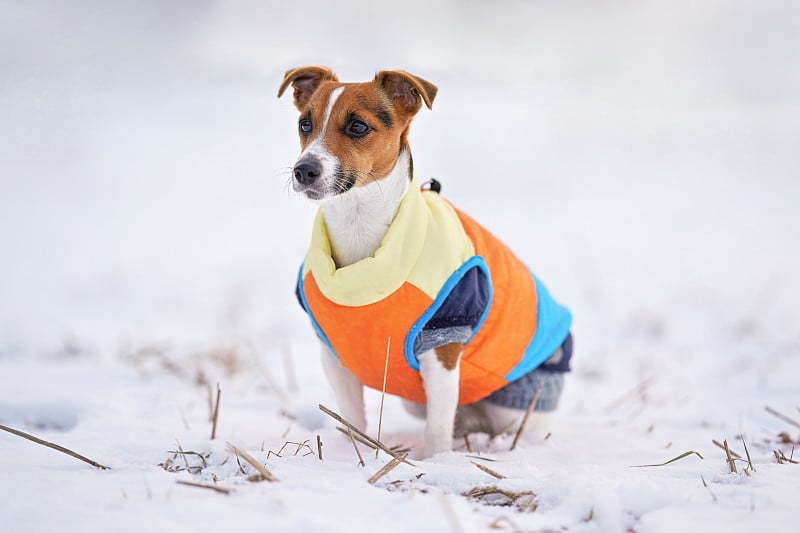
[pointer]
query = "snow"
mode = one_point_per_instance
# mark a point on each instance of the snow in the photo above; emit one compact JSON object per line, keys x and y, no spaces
{"x":641,"y":156}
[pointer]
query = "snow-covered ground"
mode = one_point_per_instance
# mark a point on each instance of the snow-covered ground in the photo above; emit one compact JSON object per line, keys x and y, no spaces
{"x":641,"y":156}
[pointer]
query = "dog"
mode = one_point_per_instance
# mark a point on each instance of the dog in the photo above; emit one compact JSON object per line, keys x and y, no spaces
{"x":405,"y":292}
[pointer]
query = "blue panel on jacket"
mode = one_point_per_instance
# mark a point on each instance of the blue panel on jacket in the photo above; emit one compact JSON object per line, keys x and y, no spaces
{"x":465,"y":304}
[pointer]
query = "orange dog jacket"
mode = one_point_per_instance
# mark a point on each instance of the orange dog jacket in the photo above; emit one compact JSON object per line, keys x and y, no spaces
{"x":428,"y":250}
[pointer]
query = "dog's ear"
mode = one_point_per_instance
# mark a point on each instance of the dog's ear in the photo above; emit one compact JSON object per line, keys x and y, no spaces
{"x":305,"y":81}
{"x":406,"y":90}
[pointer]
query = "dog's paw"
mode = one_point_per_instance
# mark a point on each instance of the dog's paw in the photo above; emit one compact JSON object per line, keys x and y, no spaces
{"x":437,"y":440}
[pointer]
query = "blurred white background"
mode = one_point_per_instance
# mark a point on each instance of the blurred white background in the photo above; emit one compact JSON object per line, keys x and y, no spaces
{"x":642,"y":156}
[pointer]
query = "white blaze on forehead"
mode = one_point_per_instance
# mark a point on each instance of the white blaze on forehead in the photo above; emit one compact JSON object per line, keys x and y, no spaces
{"x":331,"y":102}
{"x":316,"y":146}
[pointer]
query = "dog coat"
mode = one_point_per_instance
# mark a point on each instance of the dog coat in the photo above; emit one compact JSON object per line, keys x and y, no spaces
{"x":436,"y":267}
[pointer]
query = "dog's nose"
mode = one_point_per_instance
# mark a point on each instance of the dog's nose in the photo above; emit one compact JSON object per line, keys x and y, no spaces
{"x":307,"y":172}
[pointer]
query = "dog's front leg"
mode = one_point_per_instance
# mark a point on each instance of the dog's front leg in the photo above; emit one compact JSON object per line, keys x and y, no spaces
{"x":440,"y":376}
{"x":347,"y":389}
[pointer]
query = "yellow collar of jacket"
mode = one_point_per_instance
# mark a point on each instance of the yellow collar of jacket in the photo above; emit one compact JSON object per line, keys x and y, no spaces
{"x":424,"y":245}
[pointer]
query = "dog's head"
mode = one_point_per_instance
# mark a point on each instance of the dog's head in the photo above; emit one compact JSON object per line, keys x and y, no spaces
{"x":351,"y":134}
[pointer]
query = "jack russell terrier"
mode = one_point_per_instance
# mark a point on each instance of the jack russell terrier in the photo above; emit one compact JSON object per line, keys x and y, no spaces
{"x":472,"y":335}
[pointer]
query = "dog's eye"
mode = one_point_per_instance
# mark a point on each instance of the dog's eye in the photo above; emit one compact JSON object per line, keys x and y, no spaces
{"x":357,"y":129}
{"x":305,"y":126}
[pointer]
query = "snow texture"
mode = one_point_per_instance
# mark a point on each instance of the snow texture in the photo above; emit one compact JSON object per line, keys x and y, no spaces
{"x":641,"y":156}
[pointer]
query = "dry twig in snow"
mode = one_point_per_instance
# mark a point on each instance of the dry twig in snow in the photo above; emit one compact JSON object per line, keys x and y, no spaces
{"x":528,"y":413}
{"x":216,"y":415}
{"x":713,"y":496}
{"x":266,"y":474}
{"x":383,"y":390}
{"x":489,"y":471}
{"x":388,"y":467}
{"x":355,"y":447}
{"x":782,"y":416}
{"x":221,"y":490}
{"x":730,"y":459}
{"x":719,"y":444}
{"x":357,"y":431}
{"x":747,"y":452}
{"x":56,"y":447}
{"x":525,"y":500}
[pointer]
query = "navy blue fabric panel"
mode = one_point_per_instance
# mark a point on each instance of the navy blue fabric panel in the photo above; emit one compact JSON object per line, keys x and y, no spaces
{"x":465,"y":304}
{"x":561,"y":364}
{"x":519,"y":395}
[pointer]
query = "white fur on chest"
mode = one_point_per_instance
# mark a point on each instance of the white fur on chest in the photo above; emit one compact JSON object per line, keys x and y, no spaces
{"x":358,"y":220}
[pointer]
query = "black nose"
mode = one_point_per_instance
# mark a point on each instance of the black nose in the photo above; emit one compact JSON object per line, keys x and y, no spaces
{"x":307,"y":172}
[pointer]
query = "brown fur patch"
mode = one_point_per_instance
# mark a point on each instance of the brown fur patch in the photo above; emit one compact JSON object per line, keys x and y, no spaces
{"x":372,"y":156}
{"x":305,"y":81}
{"x":449,"y":354}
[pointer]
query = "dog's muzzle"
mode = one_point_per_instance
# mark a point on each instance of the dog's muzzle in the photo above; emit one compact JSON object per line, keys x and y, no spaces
{"x":307,"y":171}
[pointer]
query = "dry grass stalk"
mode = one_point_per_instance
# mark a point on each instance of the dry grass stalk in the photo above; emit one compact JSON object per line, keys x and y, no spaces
{"x":713,"y":496}
{"x":388,"y":467}
{"x":300,"y":446}
{"x":238,"y":462}
{"x":53,"y":446}
{"x":355,"y":447}
{"x":216,"y":415}
{"x":357,"y":431}
{"x":489,"y":471}
{"x":467,"y":443}
{"x":185,"y":453}
{"x":678,"y":458}
{"x":356,"y":436}
{"x":494,"y":495}
{"x":198,"y":454}
{"x":747,"y":453}
{"x":719,"y":444}
{"x":782,"y":416}
{"x":528,"y":413}
{"x":265,"y":474}
{"x":170,"y":465}
{"x":221,"y":490}
{"x":481,"y":458}
{"x":779,"y":455}
{"x":319,"y":447}
{"x":730,"y":459}
{"x":383,"y":390}
{"x":182,"y":454}
{"x":396,"y":450}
